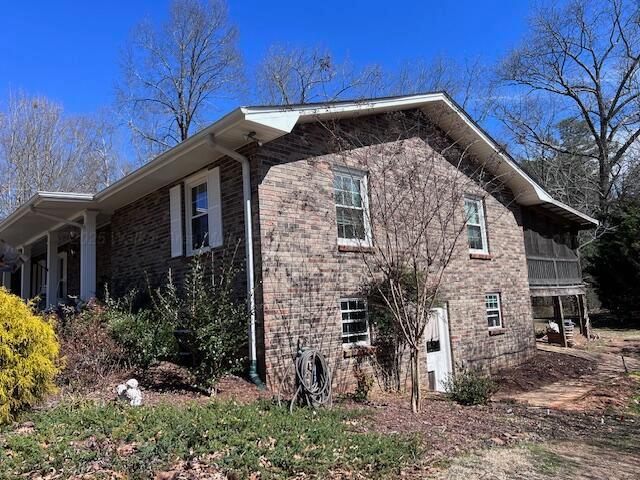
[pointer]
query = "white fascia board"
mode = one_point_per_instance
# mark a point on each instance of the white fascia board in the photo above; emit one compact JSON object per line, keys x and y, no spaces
{"x":225,"y":123}
{"x":272,"y":122}
{"x":18,"y":212}
{"x":572,"y":210}
{"x":285,"y":118}
{"x":279,"y":122}
{"x":311,"y":112}
{"x":66,"y":196}
{"x":239,"y":120}
{"x":40,"y":197}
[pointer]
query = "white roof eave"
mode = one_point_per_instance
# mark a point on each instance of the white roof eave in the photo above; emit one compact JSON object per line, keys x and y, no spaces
{"x":268,"y":123}
{"x":533,"y":194}
{"x":72,"y":203}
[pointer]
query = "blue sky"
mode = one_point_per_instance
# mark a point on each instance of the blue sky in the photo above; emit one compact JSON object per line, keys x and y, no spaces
{"x":69,"y":50}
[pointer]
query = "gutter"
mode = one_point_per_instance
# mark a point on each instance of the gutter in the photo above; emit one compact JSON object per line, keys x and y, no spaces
{"x":248,"y":238}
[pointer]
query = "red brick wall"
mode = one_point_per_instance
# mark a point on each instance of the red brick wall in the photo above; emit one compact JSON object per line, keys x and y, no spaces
{"x":141,"y":234}
{"x":300,"y":273}
{"x":303,"y":275}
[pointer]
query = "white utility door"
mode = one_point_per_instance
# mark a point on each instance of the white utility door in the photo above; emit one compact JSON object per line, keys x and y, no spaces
{"x":438,"y":349}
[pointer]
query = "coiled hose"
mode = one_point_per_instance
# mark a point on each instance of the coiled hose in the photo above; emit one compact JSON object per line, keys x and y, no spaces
{"x":313,"y":379}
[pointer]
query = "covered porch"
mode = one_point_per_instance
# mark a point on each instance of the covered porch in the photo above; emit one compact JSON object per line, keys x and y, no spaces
{"x":59,"y":236}
{"x":555,"y":276}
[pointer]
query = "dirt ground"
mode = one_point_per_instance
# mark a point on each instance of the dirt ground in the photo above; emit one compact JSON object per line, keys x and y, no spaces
{"x":616,"y":341}
{"x":543,"y":369}
{"x":597,"y":438}
{"x":502,"y":440}
{"x":558,"y":460}
{"x":456,"y":438}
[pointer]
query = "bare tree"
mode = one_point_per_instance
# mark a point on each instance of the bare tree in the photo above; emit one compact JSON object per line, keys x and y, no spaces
{"x":171,"y":73}
{"x":290,"y":75}
{"x":297,"y":75}
{"x":469,"y":82}
{"x":408,"y":218}
{"x":580,"y":61}
{"x":41,"y":148}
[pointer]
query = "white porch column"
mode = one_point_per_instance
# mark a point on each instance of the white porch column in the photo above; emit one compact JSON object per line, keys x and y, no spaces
{"x":52,"y":269}
{"x":88,"y":255}
{"x":25,"y":280}
{"x":6,"y":280}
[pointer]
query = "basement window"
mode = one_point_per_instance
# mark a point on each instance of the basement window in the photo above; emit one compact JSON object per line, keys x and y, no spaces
{"x":351,"y":200}
{"x":476,"y":228}
{"x":355,"y":322}
{"x":493,"y":309}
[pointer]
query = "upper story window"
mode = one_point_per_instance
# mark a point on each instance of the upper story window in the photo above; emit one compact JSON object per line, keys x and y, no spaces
{"x":355,"y":323}
{"x":476,"y":228}
{"x":203,"y":222}
{"x":493,"y":309}
{"x":197,"y":214}
{"x":350,"y":195}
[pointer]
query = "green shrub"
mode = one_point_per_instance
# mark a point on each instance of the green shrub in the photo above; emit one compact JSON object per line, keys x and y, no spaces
{"x":213,"y":322}
{"x":145,"y":336}
{"x":469,"y":387}
{"x":364,"y":381}
{"x":29,"y":356}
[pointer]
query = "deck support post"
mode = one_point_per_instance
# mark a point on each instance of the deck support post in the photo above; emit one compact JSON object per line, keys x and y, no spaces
{"x":558,"y":314}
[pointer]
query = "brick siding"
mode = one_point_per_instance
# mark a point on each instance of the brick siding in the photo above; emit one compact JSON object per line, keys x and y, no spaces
{"x":304,"y":275}
{"x":301,"y":274}
{"x":141,"y":234}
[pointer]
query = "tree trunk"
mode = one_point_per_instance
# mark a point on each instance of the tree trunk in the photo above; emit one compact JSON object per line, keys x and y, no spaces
{"x":415,"y":380}
{"x":604,"y":183}
{"x":397,"y":366}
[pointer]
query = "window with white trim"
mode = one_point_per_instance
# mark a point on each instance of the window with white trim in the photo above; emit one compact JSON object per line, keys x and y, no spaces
{"x":476,"y":228}
{"x":198,"y":215}
{"x":355,"y":322}
{"x":493,"y":309}
{"x":203,"y":214}
{"x":350,"y":196}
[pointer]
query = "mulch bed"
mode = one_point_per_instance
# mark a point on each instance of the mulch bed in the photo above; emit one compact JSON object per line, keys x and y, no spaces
{"x":164,"y":382}
{"x":543,"y":369}
{"x":449,"y":429}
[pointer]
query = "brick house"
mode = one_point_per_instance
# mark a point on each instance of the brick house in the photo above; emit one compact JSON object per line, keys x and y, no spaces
{"x":277,"y":167}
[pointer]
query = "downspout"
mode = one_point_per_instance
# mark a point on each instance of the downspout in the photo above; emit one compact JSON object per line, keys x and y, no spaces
{"x":248,"y":236}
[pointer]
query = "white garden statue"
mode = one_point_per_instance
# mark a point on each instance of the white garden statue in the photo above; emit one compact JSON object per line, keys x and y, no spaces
{"x":130,"y":391}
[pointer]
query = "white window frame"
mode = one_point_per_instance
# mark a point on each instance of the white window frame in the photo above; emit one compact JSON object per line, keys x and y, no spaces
{"x":191,"y":182}
{"x":483,"y":224}
{"x":363,"y":177}
{"x":361,"y":343}
{"x":492,"y":311}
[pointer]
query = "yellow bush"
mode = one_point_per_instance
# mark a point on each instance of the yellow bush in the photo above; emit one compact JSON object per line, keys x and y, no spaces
{"x":29,"y":358}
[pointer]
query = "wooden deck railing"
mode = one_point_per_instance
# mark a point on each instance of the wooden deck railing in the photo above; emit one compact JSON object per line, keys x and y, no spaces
{"x":553,"y":271}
